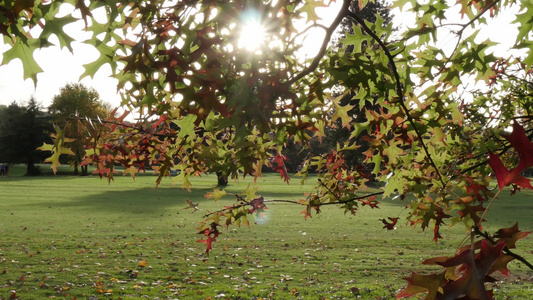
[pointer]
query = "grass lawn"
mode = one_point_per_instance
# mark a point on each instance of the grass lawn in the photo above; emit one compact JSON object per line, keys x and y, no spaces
{"x":69,"y":237}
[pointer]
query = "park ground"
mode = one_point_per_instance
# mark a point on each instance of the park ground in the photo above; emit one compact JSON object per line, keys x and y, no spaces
{"x":70,"y":237}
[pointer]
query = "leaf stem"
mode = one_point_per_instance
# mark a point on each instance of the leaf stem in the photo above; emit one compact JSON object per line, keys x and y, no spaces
{"x":487,"y":208}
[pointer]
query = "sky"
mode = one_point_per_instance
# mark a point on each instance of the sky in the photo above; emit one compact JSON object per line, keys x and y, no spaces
{"x":61,"y":67}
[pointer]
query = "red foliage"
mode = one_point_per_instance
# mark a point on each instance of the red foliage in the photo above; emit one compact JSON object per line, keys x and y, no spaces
{"x":524,"y":148}
{"x":370,"y":201}
{"x":505,"y":176}
{"x":258,"y":207}
{"x":476,"y":189}
{"x":464,"y":276}
{"x":391,"y":225}
{"x":280,"y":166}
{"x":211,"y":233}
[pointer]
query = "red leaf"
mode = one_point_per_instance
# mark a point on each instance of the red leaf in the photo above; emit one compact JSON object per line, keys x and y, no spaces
{"x":472,"y":272}
{"x":439,"y":216}
{"x":208,"y":243}
{"x":371,"y":201}
{"x":307,"y":211}
{"x":506,"y":177}
{"x":511,"y":235}
{"x":158,"y":122}
{"x":524,"y":148}
{"x":475,"y":188}
{"x":258,"y":206}
{"x":391,"y":225}
{"x":211,"y":232}
{"x":280,"y":166}
{"x":522,"y":145}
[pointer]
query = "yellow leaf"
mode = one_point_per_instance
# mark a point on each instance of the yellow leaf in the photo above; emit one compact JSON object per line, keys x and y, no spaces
{"x":216,"y":194}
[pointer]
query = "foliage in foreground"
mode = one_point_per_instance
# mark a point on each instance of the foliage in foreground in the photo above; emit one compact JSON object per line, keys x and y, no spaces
{"x":211,"y":106}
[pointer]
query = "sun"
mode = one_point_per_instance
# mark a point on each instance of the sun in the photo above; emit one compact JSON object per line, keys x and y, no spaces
{"x":253,"y":33}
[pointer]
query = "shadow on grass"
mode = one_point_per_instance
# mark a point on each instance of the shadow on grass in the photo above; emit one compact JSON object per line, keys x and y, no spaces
{"x":134,"y":201}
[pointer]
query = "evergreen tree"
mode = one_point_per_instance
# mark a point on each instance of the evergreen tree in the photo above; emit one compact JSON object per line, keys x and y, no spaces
{"x":22,"y":130}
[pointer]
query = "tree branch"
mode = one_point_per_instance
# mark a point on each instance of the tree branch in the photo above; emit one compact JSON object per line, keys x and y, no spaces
{"x":329,"y":32}
{"x":464,"y":26}
{"x":243,"y":203}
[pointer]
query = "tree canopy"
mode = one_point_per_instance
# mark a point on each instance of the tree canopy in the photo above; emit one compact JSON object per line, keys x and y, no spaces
{"x":433,"y":141}
{"x":75,"y":101}
{"x":23,"y":128}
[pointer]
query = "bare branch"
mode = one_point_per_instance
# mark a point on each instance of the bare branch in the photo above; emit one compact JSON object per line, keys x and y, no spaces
{"x":329,"y":32}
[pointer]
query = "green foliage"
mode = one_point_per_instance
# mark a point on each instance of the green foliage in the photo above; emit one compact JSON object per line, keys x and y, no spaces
{"x":209,"y":105}
{"x":74,"y":101}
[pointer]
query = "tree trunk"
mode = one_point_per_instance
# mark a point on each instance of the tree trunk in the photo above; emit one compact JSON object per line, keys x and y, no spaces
{"x":31,"y":170}
{"x":84,"y":170}
{"x":222,"y":178}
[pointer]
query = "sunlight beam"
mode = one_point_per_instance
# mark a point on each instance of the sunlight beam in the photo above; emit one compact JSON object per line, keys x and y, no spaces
{"x":253,"y":32}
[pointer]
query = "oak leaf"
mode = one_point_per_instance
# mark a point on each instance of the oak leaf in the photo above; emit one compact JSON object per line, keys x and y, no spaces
{"x":280,"y":166}
{"x":419,"y":283}
{"x":524,"y":147}
{"x":511,"y":235}
{"x":505,"y":176}
{"x":194,"y":206}
{"x":216,"y":194}
{"x":472,"y":272}
{"x":390,"y":225}
{"x":258,"y":206}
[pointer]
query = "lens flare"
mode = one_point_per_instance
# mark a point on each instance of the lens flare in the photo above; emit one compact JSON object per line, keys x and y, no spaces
{"x":252,"y":33}
{"x":262,"y":219}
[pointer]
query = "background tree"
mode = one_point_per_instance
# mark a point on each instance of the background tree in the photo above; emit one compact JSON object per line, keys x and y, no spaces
{"x":22,"y":130}
{"x":181,"y":66}
{"x":76,"y":101}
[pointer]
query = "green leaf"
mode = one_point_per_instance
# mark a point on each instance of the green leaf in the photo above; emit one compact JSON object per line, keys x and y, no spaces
{"x":57,"y":148}
{"x":215,"y":194}
{"x":107,"y":56}
{"x":56,"y":27}
{"x":186,"y":125}
{"x":310,"y":7}
{"x":24,"y":52}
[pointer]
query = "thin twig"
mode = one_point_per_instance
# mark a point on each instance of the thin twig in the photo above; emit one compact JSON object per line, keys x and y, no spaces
{"x":488,"y":206}
{"x":243,"y":204}
{"x":354,"y":199}
{"x":329,"y":32}
{"x":460,"y":32}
